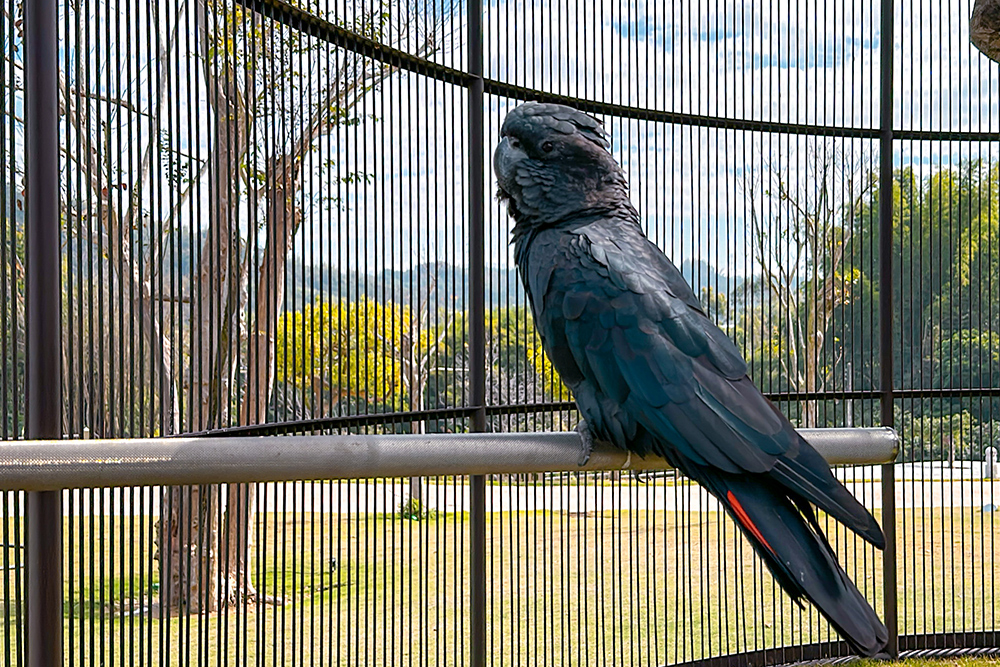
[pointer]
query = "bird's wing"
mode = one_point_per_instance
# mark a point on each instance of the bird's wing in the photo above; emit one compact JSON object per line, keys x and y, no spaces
{"x":638,"y":332}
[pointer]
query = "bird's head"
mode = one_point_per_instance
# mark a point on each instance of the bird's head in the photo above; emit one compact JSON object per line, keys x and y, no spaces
{"x":553,"y":164}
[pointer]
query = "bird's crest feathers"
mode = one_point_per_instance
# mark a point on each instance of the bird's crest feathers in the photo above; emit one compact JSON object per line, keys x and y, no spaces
{"x":562,"y":119}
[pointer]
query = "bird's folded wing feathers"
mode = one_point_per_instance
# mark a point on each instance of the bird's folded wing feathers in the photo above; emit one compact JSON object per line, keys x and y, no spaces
{"x":650,"y":347}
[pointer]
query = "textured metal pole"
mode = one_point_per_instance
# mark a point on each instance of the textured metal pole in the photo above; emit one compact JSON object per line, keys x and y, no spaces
{"x":885,"y":323}
{"x":44,"y":518}
{"x":47,"y":465}
{"x":477,"y":332}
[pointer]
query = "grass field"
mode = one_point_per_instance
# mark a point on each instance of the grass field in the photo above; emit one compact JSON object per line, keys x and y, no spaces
{"x":986,"y":661}
{"x":608,"y":587}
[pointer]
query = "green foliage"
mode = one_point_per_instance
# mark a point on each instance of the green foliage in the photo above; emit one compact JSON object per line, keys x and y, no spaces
{"x":344,"y":357}
{"x":946,"y":319}
{"x":516,"y":356}
{"x":949,"y":436}
{"x":946,"y":259}
{"x":411,"y":509}
{"x":968,"y":358}
{"x":343,"y":354}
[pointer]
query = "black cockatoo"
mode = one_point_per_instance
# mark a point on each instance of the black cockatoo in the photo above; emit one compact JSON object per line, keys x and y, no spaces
{"x":651,"y":373}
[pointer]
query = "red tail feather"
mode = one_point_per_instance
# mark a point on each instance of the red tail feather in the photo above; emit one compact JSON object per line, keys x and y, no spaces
{"x":744,"y":518}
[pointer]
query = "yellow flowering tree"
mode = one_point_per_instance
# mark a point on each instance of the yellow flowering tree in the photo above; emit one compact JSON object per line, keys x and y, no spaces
{"x":342,"y":355}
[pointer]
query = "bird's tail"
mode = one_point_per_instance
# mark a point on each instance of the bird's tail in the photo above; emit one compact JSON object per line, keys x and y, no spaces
{"x":788,"y":538}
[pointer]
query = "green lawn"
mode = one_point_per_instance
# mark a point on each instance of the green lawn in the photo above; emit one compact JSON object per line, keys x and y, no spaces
{"x":987,"y":661}
{"x":604,"y":588}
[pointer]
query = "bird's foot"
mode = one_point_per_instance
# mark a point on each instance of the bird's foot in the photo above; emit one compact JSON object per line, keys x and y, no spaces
{"x":628,"y":461}
{"x":587,"y":439}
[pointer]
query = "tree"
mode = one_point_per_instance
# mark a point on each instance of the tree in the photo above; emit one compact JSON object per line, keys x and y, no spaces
{"x":270,"y":94}
{"x":716,"y":305}
{"x":12,"y":317}
{"x":945,"y":226}
{"x":801,"y":228}
{"x":518,"y":370}
{"x":287,"y":112}
{"x":969,"y":359}
{"x":946,"y":306}
{"x":341,"y":356}
{"x":935,"y":438}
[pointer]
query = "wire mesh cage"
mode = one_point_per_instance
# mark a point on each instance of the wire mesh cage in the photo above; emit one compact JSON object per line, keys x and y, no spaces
{"x":276,"y":218}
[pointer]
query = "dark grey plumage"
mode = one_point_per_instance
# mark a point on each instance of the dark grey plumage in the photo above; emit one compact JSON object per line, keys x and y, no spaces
{"x":652,"y":373}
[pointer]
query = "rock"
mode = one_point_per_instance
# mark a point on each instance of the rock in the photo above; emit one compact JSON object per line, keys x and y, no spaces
{"x":984,"y":28}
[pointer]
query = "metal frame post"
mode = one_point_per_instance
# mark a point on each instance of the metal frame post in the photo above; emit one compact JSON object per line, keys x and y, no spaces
{"x":43,"y":354}
{"x":477,"y":331}
{"x":885,"y":321}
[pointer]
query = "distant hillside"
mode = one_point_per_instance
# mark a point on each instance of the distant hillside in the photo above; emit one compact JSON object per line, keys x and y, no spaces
{"x":700,"y":274}
{"x":450,"y":284}
{"x":446,"y":285}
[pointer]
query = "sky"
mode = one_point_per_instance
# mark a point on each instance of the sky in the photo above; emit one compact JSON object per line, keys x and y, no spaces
{"x":787,"y":61}
{"x":792,"y":62}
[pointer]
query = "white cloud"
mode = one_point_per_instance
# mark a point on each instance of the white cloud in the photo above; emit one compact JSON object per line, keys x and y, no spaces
{"x":796,"y":61}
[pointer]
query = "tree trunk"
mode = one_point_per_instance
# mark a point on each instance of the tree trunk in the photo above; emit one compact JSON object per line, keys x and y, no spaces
{"x":125,"y":269}
{"x":282,"y":224}
{"x":809,"y":408}
{"x":213,"y":359}
{"x":189,"y":562}
{"x":124,"y":266}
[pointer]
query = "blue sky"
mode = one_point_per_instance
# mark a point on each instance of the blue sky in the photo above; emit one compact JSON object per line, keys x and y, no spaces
{"x":794,"y":61}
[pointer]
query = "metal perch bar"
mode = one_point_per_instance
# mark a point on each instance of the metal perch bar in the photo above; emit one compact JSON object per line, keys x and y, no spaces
{"x":44,"y":465}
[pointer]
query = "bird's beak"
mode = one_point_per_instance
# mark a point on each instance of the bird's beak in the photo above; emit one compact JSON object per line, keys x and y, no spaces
{"x":505,"y":157}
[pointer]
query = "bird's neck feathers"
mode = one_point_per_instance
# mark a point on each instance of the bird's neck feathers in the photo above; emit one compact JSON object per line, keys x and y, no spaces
{"x":526,"y":228}
{"x":549,"y":203}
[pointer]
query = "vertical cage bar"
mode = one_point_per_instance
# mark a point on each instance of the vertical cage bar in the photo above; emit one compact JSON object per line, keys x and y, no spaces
{"x":885,"y":321}
{"x":44,"y":547}
{"x":477,"y":333}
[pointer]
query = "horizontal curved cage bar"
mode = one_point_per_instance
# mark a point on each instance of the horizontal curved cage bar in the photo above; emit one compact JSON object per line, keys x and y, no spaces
{"x":277,"y":218}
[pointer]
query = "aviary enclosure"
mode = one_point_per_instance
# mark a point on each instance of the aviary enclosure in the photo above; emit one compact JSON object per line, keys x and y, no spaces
{"x":231,"y":219}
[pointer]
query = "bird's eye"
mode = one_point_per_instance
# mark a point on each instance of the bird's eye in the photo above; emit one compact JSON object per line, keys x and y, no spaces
{"x":547,"y":147}
{"x":514,"y":142}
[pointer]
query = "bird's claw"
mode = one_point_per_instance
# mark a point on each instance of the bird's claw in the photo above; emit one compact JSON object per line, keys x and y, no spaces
{"x":587,"y":439}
